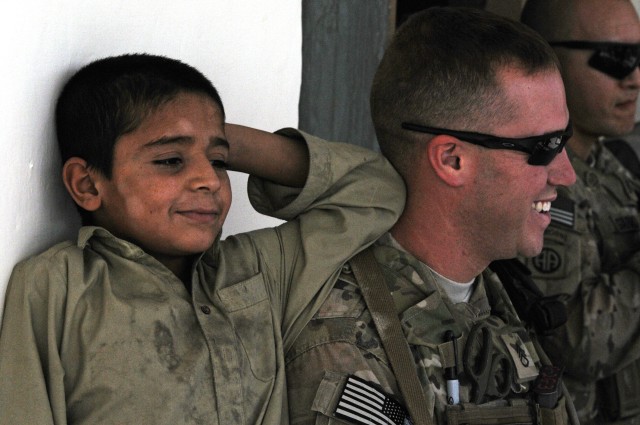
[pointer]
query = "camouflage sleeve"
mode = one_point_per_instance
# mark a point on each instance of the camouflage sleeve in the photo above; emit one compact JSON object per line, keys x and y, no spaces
{"x":602,"y":333}
{"x":339,"y":341}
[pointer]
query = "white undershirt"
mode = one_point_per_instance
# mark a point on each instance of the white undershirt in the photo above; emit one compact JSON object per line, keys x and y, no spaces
{"x":458,"y":292}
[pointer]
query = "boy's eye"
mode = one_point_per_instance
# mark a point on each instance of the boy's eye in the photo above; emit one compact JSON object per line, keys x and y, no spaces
{"x":218,"y":163}
{"x":170,"y":162}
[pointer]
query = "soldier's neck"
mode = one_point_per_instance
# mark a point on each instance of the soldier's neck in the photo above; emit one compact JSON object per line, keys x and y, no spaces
{"x":582,"y":144}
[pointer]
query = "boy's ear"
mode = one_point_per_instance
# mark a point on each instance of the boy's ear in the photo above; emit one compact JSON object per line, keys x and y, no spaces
{"x":80,"y":183}
{"x":448,"y":159}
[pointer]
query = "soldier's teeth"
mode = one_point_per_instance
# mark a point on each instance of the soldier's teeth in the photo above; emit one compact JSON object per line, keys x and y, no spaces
{"x":541,"y":206}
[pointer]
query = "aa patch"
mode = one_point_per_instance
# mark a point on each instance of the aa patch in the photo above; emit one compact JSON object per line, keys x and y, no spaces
{"x":548,"y":261}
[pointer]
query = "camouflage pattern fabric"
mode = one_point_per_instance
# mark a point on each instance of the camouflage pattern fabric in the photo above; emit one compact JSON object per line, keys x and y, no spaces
{"x":590,"y":260}
{"x":341,"y":339}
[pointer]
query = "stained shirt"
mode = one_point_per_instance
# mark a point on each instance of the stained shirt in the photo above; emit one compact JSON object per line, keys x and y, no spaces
{"x":591,"y":261}
{"x":99,"y":332}
{"x":341,"y":340}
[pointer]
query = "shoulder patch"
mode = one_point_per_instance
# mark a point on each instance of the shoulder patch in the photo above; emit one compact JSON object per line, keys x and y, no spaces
{"x":563,"y":212}
{"x":362,"y":403}
{"x":627,"y":224}
{"x":548,"y":261}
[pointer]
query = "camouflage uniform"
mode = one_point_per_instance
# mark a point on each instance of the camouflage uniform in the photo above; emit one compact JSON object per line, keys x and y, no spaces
{"x":342,"y":340}
{"x":591,"y":260}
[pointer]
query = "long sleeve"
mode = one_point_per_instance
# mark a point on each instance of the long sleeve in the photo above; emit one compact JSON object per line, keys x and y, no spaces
{"x":31,"y":373}
{"x":351,"y":197}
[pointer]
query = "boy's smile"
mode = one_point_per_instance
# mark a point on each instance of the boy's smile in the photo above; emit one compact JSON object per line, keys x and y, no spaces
{"x":169,"y":192}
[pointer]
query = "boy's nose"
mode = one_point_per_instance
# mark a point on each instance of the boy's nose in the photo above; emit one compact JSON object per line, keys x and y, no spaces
{"x":204,"y":176}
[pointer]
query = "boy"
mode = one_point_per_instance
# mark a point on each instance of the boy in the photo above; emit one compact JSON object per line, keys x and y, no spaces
{"x":149,"y":318}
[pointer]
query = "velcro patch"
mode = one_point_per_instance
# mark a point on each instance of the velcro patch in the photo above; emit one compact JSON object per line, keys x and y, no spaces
{"x":626,"y":224}
{"x":563,"y":212}
{"x":548,"y":261}
{"x":522,"y":359}
{"x":362,"y":403}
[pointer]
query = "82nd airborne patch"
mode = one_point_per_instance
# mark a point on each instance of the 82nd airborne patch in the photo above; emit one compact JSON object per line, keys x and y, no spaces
{"x":548,"y":261}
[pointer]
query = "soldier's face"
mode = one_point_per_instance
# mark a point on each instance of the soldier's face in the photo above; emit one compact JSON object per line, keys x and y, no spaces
{"x":600,"y":105}
{"x":511,"y":197}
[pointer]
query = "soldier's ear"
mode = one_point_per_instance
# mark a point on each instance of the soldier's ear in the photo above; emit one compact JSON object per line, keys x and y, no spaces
{"x":79,"y":179}
{"x":447,"y":156}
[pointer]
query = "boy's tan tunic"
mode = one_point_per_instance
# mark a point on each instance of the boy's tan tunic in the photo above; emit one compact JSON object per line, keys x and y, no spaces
{"x":99,"y":332}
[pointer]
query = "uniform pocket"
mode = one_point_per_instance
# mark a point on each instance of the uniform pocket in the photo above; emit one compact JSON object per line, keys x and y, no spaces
{"x":248,"y":306}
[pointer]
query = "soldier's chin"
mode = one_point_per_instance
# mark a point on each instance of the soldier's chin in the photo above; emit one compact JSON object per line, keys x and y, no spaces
{"x":532,"y":250}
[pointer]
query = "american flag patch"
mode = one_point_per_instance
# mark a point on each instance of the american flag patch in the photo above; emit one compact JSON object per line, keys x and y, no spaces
{"x":362,"y":403}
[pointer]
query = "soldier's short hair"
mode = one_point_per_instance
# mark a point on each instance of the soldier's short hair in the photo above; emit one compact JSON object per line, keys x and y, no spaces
{"x":440,"y":70}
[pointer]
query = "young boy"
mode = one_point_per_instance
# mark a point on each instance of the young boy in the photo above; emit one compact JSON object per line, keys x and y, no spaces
{"x":149,"y":318}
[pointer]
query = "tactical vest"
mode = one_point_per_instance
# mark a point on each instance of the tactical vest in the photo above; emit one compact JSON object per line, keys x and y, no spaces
{"x":518,"y":393}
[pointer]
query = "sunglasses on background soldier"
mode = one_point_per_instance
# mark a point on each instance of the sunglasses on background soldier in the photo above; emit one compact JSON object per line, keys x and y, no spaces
{"x":541,"y":149}
{"x":617,"y":60}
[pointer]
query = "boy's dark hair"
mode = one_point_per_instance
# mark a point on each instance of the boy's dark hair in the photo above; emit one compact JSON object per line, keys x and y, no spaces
{"x":441,"y":70}
{"x":111,"y":97}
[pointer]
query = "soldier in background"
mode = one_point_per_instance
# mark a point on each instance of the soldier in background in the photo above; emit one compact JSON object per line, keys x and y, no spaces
{"x":591,"y":257}
{"x":470,"y":109}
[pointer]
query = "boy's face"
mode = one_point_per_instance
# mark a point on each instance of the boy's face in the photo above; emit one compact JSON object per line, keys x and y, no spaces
{"x":169,"y":192}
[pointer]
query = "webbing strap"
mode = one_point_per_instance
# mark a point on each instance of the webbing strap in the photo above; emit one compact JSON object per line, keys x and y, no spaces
{"x":380,"y":303}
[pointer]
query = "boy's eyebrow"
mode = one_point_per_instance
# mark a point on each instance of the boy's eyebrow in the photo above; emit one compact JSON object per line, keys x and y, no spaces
{"x":167,"y":140}
{"x":218,"y":141}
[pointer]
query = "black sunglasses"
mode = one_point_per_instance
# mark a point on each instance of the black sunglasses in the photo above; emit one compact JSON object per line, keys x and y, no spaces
{"x":541,"y":149}
{"x":614,"y":59}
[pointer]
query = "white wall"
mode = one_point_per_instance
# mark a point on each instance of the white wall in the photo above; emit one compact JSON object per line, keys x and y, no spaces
{"x":250,"y":50}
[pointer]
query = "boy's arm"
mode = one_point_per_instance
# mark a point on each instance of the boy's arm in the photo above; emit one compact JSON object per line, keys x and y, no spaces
{"x":31,"y":374}
{"x":270,"y":156}
{"x":350,"y":198}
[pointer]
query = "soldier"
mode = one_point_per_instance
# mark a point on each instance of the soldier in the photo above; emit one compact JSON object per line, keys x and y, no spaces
{"x":590,"y":258}
{"x":470,"y":109}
